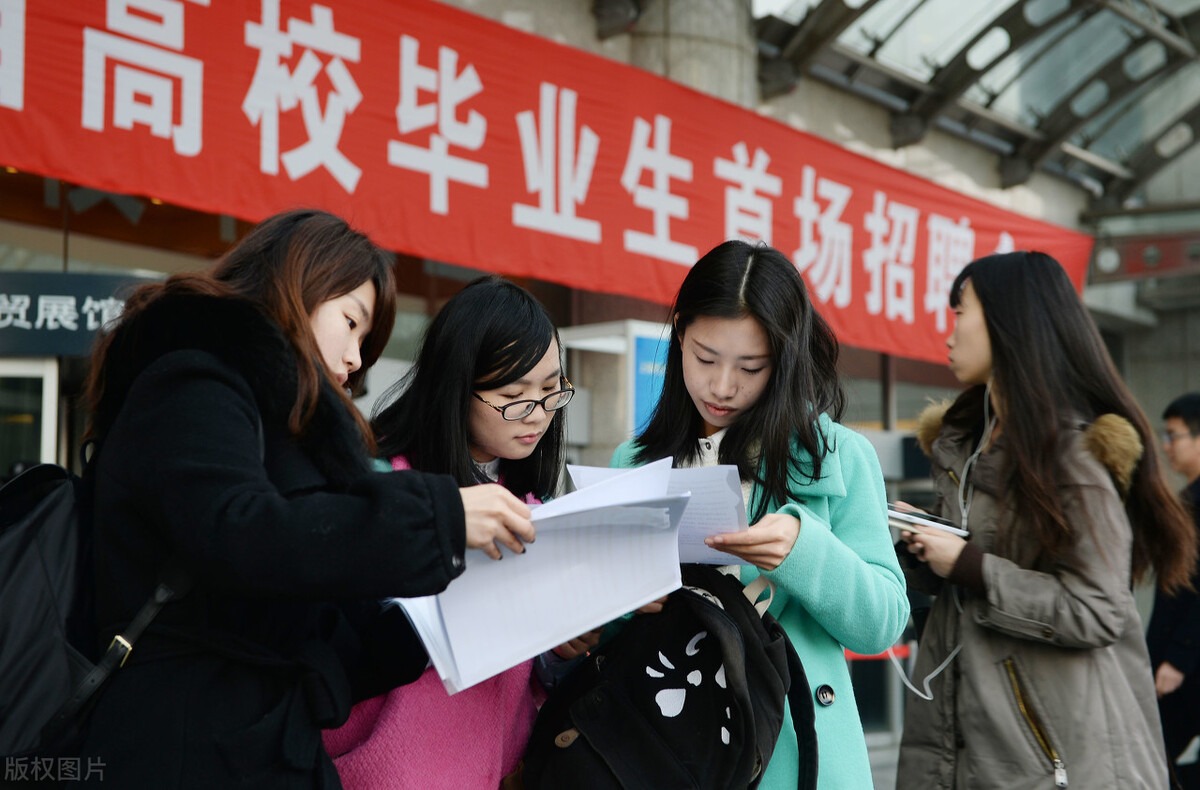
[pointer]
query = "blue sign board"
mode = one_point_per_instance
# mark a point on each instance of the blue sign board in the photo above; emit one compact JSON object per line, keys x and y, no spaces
{"x":649,"y":367}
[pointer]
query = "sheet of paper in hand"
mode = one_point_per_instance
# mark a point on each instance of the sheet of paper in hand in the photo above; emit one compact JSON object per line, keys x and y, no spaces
{"x":715,"y":505}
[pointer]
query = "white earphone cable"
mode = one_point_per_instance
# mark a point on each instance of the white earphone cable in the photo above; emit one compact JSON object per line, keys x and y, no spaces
{"x":966,"y":492}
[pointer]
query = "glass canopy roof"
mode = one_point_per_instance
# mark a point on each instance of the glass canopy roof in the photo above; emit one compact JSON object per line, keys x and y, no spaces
{"x":1105,"y":93}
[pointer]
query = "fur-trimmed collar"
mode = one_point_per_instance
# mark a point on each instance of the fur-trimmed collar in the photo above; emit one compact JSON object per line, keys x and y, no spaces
{"x":241,"y":336}
{"x":1110,"y":438}
{"x":929,"y":424}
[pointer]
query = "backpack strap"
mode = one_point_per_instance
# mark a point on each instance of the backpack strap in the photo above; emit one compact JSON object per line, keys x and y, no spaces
{"x":754,"y":590}
{"x":800,"y":701}
{"x":800,"y":698}
{"x":117,"y":653}
{"x":799,"y":694}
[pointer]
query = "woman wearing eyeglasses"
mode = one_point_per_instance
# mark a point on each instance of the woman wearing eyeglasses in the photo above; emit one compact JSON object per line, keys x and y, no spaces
{"x":482,"y":404}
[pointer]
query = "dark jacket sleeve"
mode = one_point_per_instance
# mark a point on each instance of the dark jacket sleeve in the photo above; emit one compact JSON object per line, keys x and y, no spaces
{"x":187,"y":449}
{"x":1183,"y":651}
{"x":917,"y":575}
{"x":1180,"y":626}
{"x":390,"y":652}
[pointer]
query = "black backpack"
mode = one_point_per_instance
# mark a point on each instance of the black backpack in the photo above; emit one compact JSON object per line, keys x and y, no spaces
{"x":49,"y":667}
{"x":692,"y":697}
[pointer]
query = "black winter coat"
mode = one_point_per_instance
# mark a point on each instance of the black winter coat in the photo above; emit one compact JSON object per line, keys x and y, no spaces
{"x":291,"y":543}
{"x":1174,"y":631}
{"x":1174,"y":635}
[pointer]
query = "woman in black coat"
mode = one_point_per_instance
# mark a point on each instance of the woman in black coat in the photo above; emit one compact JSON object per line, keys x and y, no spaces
{"x":229,"y":450}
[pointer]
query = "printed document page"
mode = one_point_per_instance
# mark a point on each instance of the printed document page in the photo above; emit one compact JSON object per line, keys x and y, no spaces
{"x":716,"y":505}
{"x":596,"y":557}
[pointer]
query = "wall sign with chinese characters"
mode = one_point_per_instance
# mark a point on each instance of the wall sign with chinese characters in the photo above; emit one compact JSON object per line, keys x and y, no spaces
{"x":56,"y":314}
{"x":451,"y":137}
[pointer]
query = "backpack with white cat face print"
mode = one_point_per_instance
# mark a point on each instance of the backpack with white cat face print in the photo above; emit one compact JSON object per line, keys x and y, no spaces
{"x":692,"y":697}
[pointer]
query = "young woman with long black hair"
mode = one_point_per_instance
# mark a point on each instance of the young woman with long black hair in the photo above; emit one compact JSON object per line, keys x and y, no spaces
{"x":1034,"y":662}
{"x":482,"y":403}
{"x":751,"y":380}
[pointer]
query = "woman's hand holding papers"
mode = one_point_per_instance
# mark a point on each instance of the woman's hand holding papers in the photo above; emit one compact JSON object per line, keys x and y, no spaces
{"x":493,"y":515}
{"x":936,"y":548}
{"x":765,"y":544}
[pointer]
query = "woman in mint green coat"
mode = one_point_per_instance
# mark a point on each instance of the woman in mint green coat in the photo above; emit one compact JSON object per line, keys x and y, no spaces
{"x":751,"y":380}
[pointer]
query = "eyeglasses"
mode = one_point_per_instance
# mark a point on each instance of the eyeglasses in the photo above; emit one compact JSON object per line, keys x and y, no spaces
{"x":520,"y":409}
{"x":1168,"y":437}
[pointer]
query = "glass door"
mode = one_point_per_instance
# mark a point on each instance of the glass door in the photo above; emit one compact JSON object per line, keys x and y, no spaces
{"x":28,"y":413}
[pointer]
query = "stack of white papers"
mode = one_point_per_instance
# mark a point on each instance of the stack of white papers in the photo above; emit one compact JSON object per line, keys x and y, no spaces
{"x":716,"y":505}
{"x":601,"y":551}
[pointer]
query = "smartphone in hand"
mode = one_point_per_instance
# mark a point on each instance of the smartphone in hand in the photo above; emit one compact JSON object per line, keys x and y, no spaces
{"x":915,"y":521}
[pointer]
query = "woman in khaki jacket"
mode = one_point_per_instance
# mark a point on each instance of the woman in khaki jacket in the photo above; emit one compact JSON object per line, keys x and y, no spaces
{"x":1032,"y":666}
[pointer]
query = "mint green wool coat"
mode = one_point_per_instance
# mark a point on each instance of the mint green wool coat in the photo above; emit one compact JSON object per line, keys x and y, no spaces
{"x":840,"y":586}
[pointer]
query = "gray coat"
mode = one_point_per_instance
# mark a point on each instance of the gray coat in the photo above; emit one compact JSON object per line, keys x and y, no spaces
{"x":1053,"y":682}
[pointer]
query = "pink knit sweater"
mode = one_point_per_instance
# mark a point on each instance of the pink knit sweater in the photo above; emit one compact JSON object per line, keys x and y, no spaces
{"x":418,"y":736}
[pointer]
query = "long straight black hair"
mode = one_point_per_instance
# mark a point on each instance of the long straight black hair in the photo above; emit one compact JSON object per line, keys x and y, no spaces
{"x":488,"y":335}
{"x":1050,"y":366}
{"x":737,"y":280}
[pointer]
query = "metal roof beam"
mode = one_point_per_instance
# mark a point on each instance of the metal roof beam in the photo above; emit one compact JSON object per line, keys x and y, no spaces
{"x":1063,"y":122}
{"x":1097,"y":161}
{"x":1098,"y":213}
{"x":953,"y":79}
{"x":820,"y":27}
{"x":863,"y":62}
{"x":1049,"y":40}
{"x":1147,"y":160}
{"x":1190,"y":24}
{"x":1175,"y":42}
{"x":997,"y":119}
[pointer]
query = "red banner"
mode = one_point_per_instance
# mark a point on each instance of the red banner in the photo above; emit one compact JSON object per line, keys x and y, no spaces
{"x":451,"y":137}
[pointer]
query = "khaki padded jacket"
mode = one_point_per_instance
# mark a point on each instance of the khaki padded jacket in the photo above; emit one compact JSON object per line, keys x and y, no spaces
{"x":1052,"y":683}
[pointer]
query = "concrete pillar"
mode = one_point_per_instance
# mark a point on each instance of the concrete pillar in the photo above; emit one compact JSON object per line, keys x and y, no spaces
{"x":568,"y":22}
{"x":708,"y":45}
